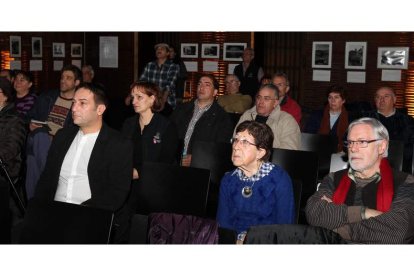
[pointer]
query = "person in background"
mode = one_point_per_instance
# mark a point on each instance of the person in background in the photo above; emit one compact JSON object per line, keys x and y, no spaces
{"x":25,"y":98}
{"x":182,"y":74}
{"x":287,"y":104}
{"x":162,"y":71}
{"x":249,"y":73}
{"x":285,"y":129}
{"x":369,"y":202}
{"x":233,"y":101}
{"x":87,"y":73}
{"x":202,"y":119}
{"x":399,"y":125}
{"x":266,"y":79}
{"x":257,"y":192}
{"x":8,"y":74}
{"x":334,"y":119}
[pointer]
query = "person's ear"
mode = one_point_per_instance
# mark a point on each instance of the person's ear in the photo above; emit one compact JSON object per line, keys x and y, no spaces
{"x":260,"y":153}
{"x":215,"y":92}
{"x":382,"y":147}
{"x":100,"y":109}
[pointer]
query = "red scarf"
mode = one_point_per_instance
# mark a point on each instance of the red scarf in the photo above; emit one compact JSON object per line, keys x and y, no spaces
{"x":385,"y":190}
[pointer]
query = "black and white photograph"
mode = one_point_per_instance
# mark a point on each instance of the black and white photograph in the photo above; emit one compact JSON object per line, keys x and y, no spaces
{"x":189,"y":50}
{"x":355,"y":55}
{"x":36,"y":47}
{"x":210,"y":50}
{"x":233,"y":51}
{"x":15,"y":46}
{"x":322,"y":54}
{"x":393,"y":57}
{"x":58,"y":49}
{"x":76,"y":50}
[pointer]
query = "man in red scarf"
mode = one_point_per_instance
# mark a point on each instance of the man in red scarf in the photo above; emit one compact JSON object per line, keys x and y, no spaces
{"x":369,"y":202}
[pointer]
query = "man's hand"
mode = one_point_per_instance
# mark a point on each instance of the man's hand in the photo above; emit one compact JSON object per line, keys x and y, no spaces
{"x":34,"y":126}
{"x":135,"y":174}
{"x":326,"y":199}
{"x":370,"y":213}
{"x":186,"y":160}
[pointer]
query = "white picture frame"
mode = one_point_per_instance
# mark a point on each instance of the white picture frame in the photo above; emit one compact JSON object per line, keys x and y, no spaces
{"x":393,"y":57}
{"x":75,"y":50}
{"x":355,"y":55}
{"x":15,"y":46}
{"x":58,"y":49}
{"x":37,"y":47}
{"x":322,"y":54}
{"x":189,"y":50}
{"x":233,"y":51}
{"x":210,"y":50}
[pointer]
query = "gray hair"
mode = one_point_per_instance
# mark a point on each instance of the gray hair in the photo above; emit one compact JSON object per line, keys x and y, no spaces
{"x":90,"y":69}
{"x":378,"y":129}
{"x":270,"y":86}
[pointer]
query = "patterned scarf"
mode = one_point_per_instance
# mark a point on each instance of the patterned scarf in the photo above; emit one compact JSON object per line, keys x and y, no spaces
{"x":385,"y":190}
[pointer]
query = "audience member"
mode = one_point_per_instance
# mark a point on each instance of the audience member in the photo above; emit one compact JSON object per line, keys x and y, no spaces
{"x":182,"y":74}
{"x":163,"y":72}
{"x":287,"y":104}
{"x":202,"y":119}
{"x":334,"y":119}
{"x":52,"y":108}
{"x":249,"y":73}
{"x":25,"y":98}
{"x":399,"y":125}
{"x":266,"y":79}
{"x":88,"y":164}
{"x":369,"y":202}
{"x":267,"y":110}
{"x":12,"y":139}
{"x":8,"y":74}
{"x":154,"y":137}
{"x":88,"y":73}
{"x":257,"y":192}
{"x":233,"y":101}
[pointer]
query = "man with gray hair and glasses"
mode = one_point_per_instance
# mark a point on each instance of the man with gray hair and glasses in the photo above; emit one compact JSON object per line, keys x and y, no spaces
{"x":369,"y":202}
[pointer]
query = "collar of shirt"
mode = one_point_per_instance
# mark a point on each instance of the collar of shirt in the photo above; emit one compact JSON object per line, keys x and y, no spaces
{"x":264,"y":170}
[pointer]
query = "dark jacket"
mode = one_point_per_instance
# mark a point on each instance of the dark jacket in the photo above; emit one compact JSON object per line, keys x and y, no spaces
{"x":109,"y":168}
{"x":157,"y":143}
{"x":249,"y":84}
{"x":214,"y":125}
{"x":12,"y":139}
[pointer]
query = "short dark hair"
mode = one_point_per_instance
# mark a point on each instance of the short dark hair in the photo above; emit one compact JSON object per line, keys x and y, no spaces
{"x":74,"y":69}
{"x":6,"y":88}
{"x":212,"y":78}
{"x":262,"y":134}
{"x":272,"y":87}
{"x":26,"y":75}
{"x":150,"y":89}
{"x":336,"y":89}
{"x":9,"y":72}
{"x":98,"y":94}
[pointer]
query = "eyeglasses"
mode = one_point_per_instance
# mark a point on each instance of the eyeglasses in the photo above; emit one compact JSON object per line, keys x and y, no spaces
{"x":359,"y":143}
{"x":265,"y":98}
{"x":243,"y":142}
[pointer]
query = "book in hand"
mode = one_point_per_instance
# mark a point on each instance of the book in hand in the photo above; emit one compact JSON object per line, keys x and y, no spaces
{"x":43,"y":123}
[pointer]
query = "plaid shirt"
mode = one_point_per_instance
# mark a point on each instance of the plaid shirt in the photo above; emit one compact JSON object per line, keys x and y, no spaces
{"x":264,"y":170}
{"x":164,"y":76}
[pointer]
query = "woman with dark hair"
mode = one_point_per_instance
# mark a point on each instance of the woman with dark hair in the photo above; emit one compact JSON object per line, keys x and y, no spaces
{"x":155,"y":137}
{"x":257,"y":192}
{"x":25,"y":98}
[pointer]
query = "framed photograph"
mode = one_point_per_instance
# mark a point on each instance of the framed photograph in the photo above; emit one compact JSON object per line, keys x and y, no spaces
{"x":355,"y":55}
{"x":36,"y":47}
{"x":15,"y":46}
{"x":393,"y":57}
{"x":58,"y":49}
{"x":76,"y":50}
{"x":189,"y":50}
{"x":322,"y":54}
{"x":210,"y":50}
{"x":233,"y":51}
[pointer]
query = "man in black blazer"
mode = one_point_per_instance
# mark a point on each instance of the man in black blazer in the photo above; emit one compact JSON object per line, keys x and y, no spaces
{"x":90,"y":163}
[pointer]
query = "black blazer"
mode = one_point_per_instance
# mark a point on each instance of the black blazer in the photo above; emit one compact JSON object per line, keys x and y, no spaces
{"x":109,"y":168}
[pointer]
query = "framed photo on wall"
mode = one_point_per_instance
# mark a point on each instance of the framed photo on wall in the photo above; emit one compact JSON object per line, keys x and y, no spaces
{"x":58,"y":49}
{"x":15,"y":46}
{"x":233,"y":51}
{"x":355,"y":55}
{"x":322,"y":54}
{"x":393,"y":57}
{"x":210,"y":50}
{"x":36,"y":47}
{"x":76,"y":50}
{"x":189,"y":50}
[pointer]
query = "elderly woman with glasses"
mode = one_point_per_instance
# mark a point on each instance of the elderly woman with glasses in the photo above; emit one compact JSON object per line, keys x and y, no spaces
{"x":257,"y":192}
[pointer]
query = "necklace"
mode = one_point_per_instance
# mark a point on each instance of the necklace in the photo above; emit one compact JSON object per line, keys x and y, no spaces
{"x":247,"y":191}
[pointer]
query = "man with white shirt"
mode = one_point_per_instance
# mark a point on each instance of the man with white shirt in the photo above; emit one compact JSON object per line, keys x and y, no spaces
{"x":89,"y":163}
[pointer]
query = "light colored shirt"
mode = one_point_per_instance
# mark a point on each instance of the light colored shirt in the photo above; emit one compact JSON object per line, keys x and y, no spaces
{"x":332,"y":118}
{"x":73,"y":186}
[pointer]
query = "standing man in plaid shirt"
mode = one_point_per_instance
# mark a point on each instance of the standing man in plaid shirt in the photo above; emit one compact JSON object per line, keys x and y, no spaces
{"x":162,"y":71}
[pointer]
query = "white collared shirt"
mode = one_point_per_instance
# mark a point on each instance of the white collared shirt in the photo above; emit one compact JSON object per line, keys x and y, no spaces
{"x":73,"y":186}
